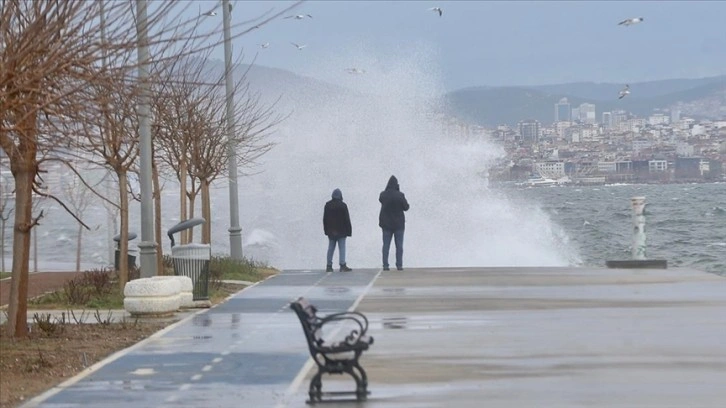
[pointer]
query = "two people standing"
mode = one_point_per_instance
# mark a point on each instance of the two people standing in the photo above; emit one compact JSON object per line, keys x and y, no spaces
{"x":336,"y":224}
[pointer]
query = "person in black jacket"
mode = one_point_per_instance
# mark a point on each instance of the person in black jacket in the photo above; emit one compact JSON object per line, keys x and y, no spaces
{"x":392,"y":220}
{"x":336,"y":224}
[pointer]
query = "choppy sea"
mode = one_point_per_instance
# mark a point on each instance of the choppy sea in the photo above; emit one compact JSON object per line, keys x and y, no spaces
{"x":685,"y":223}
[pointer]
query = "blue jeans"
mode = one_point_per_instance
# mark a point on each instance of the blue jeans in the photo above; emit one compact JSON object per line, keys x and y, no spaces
{"x":341,"y":249}
{"x":398,"y":238}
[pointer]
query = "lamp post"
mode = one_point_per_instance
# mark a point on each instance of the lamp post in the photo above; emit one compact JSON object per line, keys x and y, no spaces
{"x":235,"y":236}
{"x":147,"y":246}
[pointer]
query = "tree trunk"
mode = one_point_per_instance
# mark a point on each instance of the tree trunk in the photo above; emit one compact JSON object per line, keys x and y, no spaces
{"x":2,"y":245}
{"x":24,"y":173}
{"x":192,"y":201}
{"x":34,"y":235}
{"x":157,"y":218}
{"x":123,"y":261}
{"x":206,"y":214}
{"x":23,"y":165}
{"x":183,"y":236}
{"x":79,"y":242}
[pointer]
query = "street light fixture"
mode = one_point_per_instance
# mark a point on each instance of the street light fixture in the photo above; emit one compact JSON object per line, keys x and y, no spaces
{"x":235,"y":232}
{"x":147,"y":246}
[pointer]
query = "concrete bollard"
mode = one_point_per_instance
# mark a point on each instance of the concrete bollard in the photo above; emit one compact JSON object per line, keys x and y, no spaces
{"x":638,"y":249}
{"x":152,"y":297}
{"x":186,"y":297}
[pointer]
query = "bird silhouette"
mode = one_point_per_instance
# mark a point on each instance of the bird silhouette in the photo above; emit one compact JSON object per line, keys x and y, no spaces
{"x":624,"y":92}
{"x":265,"y":45}
{"x":299,"y":47}
{"x":438,"y":10}
{"x":299,"y":16}
{"x":631,"y":21}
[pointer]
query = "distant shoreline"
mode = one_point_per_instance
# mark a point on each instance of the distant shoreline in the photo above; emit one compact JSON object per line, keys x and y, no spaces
{"x":518,"y":184}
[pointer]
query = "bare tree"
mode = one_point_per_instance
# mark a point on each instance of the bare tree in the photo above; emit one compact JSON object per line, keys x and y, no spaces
{"x":253,"y":122}
{"x":50,"y":53}
{"x":78,"y":197}
{"x":52,"y":60}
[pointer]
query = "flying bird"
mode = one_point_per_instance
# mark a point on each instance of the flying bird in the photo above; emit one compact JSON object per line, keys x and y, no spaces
{"x":631,"y":21}
{"x":265,"y":45}
{"x":299,"y":47}
{"x":438,"y":10}
{"x":300,"y":16}
{"x":355,"y":71}
{"x":211,"y":13}
{"x":624,"y":92}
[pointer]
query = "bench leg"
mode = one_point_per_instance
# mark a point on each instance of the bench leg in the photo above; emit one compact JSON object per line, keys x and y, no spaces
{"x":315,"y":392}
{"x":361,"y":381}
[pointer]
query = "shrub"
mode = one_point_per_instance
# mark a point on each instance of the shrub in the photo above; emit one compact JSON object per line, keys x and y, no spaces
{"x":76,"y":292}
{"x":47,"y":325}
{"x":100,"y":280}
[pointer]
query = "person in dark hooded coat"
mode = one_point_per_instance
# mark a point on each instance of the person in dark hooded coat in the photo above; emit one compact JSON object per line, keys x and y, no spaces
{"x":392,"y":220}
{"x":336,"y":224}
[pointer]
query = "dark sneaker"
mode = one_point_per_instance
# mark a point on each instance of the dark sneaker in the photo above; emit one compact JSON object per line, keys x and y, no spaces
{"x":385,"y":268}
{"x":399,"y":268}
{"x":329,"y":268}
{"x":344,"y":268}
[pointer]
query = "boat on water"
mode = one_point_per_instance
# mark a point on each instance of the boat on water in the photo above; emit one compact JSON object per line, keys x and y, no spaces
{"x":544,"y":182}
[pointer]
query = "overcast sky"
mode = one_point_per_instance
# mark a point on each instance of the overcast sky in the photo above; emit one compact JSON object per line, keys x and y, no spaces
{"x":486,"y":43}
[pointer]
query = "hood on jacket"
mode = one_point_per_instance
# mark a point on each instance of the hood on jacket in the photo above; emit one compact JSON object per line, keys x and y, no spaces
{"x":337,"y":194}
{"x":392,"y":183}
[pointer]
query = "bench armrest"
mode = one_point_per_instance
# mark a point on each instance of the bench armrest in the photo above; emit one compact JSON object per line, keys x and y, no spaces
{"x":356,"y":335}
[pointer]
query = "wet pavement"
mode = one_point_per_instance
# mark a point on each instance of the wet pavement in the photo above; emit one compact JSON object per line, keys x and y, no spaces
{"x":468,"y":337}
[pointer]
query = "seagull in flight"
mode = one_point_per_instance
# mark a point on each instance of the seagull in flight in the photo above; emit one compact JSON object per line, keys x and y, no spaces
{"x":624,"y":92}
{"x":355,"y":71}
{"x":300,"y":16}
{"x":265,"y":45}
{"x":438,"y":10}
{"x":299,"y":47}
{"x":631,"y":21}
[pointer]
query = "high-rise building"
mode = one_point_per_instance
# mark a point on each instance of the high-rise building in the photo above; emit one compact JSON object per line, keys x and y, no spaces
{"x":675,"y":115}
{"x":529,"y":130}
{"x":576,"y":114}
{"x":562,"y":111}
{"x":587,"y":113}
{"x":607,"y":120}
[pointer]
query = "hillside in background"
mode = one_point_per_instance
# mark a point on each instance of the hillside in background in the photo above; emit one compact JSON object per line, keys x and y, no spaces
{"x":491,"y":106}
{"x":702,"y":98}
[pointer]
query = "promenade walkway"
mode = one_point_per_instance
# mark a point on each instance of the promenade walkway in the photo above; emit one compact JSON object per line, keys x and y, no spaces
{"x":464,"y":337}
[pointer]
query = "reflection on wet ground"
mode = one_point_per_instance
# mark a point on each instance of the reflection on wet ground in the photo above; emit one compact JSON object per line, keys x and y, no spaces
{"x":464,"y":337}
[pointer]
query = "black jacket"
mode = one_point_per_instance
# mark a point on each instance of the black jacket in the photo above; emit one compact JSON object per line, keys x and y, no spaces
{"x":336,"y":219}
{"x":393,"y":204}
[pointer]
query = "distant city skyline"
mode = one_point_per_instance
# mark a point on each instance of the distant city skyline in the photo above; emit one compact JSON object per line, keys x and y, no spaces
{"x":478,"y":43}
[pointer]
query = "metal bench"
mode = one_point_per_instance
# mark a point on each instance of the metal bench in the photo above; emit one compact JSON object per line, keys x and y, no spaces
{"x":334,"y":357}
